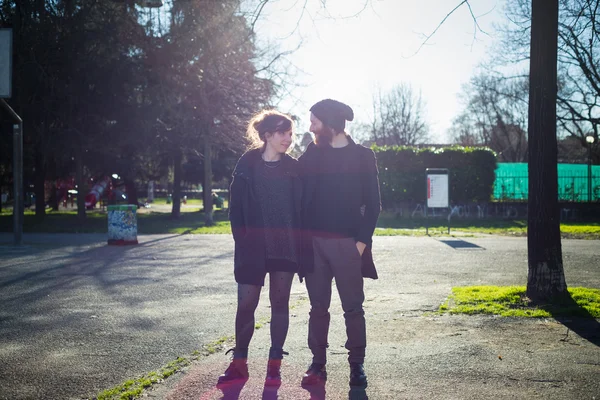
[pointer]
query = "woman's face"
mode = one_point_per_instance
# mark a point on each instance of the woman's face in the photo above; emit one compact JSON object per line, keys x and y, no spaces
{"x":280,"y":141}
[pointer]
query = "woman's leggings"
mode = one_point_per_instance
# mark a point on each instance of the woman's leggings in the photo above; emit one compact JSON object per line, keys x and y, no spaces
{"x":280,"y":285}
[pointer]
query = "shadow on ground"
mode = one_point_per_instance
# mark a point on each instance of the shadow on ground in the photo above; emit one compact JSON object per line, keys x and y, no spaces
{"x":579,"y":320}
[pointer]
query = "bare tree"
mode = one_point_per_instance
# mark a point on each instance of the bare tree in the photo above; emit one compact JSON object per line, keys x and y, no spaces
{"x":467,"y":130}
{"x":546,"y":280}
{"x":399,"y":117}
{"x":495,"y":115}
{"x":578,"y":55}
{"x":509,"y":141}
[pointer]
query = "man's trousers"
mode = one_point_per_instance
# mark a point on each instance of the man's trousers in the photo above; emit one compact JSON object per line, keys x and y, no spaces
{"x":336,"y":258}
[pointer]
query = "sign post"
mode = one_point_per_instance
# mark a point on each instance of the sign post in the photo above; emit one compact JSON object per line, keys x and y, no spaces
{"x":5,"y":63}
{"x":6,"y":92}
{"x":437,"y":191}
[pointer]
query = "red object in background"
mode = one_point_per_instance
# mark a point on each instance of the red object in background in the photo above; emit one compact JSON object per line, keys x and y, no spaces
{"x":94,"y":195}
{"x":62,"y":187}
{"x":428,"y":188}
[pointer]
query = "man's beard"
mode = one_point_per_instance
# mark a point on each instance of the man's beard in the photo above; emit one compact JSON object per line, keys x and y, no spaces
{"x":324,"y":137}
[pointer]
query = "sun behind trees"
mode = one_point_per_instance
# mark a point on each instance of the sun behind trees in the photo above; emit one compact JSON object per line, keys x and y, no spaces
{"x":114,"y":88}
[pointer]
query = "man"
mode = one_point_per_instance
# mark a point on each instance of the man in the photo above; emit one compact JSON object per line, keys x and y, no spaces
{"x":341,"y":206}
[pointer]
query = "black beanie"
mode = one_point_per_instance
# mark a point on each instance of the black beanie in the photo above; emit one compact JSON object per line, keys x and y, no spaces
{"x":333,"y":113}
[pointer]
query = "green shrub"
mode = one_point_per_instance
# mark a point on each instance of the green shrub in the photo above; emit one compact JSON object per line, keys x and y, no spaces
{"x":402,"y":173}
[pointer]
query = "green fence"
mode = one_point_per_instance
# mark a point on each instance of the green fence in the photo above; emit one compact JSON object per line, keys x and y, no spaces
{"x":512,"y":182}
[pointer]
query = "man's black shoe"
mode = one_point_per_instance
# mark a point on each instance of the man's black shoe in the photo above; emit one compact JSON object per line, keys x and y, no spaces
{"x":315,"y":375}
{"x":357,"y":375}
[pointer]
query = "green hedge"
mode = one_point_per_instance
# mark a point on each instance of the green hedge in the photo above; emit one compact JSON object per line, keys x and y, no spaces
{"x":402,"y":173}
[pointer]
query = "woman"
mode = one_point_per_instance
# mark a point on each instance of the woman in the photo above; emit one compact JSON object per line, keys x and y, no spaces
{"x":264,"y":211}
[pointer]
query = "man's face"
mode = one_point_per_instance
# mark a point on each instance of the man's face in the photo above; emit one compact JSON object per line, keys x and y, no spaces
{"x":323,"y":134}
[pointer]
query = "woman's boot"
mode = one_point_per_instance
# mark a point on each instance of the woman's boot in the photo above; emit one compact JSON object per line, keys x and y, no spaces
{"x":237,"y":372}
{"x":274,"y":367}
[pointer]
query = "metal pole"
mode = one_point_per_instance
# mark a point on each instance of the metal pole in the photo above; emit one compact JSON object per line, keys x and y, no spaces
{"x":18,"y":183}
{"x":17,"y":174}
{"x":589,"y":173}
{"x":207,"y":187}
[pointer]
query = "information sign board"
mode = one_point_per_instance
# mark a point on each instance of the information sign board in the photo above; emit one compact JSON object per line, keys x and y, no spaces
{"x":437,"y":188}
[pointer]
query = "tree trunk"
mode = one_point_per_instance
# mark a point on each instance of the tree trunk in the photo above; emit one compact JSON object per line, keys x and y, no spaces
{"x":176,"y":209}
{"x":207,"y":188}
{"x":81,"y":186}
{"x":131,"y":192}
{"x":40,"y":181}
{"x":546,"y":279}
{"x":53,"y":190}
{"x":1,"y":191}
{"x":53,"y":200}
{"x":150,"y":198}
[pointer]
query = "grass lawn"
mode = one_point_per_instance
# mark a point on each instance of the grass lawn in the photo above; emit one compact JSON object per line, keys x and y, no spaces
{"x":191,"y":202}
{"x":163,"y":201}
{"x":96,"y":222}
{"x":389,"y":225}
{"x":511,"y":301}
{"x":192,"y":221}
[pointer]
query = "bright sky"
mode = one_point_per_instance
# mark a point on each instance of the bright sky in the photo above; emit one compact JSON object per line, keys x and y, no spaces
{"x":347,"y":59}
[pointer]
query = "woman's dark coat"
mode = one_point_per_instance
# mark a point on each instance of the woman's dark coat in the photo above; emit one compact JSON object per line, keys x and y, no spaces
{"x":247,"y":224}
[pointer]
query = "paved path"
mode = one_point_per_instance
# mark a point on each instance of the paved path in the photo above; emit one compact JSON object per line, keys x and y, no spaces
{"x":78,"y":316}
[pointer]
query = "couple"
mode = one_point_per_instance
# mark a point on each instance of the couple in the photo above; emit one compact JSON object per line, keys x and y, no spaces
{"x":314,"y":216}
